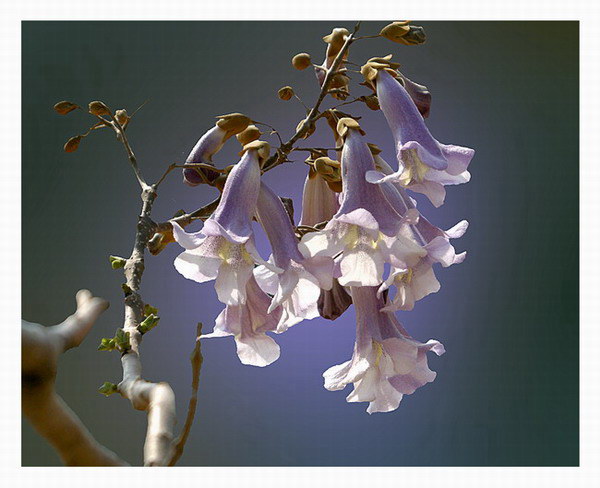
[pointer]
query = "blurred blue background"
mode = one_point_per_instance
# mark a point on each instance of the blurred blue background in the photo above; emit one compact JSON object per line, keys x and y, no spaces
{"x":507,"y":388}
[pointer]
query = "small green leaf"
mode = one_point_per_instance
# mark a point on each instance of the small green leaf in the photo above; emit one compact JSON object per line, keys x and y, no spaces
{"x":148,"y":324}
{"x":108,"y":388}
{"x":117,"y":262}
{"x":107,"y":344}
{"x":122,"y":341}
{"x":150,"y":310}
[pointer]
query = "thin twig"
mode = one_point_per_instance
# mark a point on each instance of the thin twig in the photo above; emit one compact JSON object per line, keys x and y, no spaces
{"x":196,"y":359}
{"x":280,"y":156}
{"x":130,"y":155}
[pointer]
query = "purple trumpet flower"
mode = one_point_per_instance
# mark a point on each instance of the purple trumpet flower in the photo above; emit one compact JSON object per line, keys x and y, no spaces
{"x":387,"y":363}
{"x":224,"y":249}
{"x":319,"y":202}
{"x":297,"y":287}
{"x":366,"y":228}
{"x":415,"y":282}
{"x":248,"y":324}
{"x":425,"y":165}
{"x":208,"y":145}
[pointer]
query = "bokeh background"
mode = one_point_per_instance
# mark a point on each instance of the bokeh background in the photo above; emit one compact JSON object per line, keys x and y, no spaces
{"x":507,"y":388}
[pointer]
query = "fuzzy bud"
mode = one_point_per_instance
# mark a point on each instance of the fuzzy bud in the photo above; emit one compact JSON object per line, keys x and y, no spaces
{"x":301,"y":61}
{"x":121,"y":116}
{"x":285,"y":93}
{"x":336,"y":39}
{"x":395,"y":31}
{"x":372,"y":102}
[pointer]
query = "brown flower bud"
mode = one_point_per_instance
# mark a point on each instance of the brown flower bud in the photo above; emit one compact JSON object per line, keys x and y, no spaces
{"x":415,"y":36}
{"x":98,"y":108}
{"x":333,"y":303}
{"x":65,"y":107}
{"x":285,"y":92}
{"x":251,"y":133}
{"x":395,"y":31}
{"x":372,"y":102}
{"x":336,"y":39}
{"x":339,"y":80}
{"x":233,"y":123}
{"x":72,"y":144}
{"x":301,"y":61}
{"x":121,"y":116}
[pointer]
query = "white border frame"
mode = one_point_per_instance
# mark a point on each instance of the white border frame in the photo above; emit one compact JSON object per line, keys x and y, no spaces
{"x":11,"y":15}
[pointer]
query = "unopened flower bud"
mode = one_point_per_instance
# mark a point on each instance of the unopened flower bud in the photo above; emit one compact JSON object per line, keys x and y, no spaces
{"x":336,"y":39}
{"x":121,"y":116}
{"x":251,"y":133}
{"x":395,"y":31}
{"x":234,"y":123}
{"x":372,"y":102}
{"x":339,"y":80}
{"x":65,"y":107}
{"x":415,"y":36}
{"x":333,"y":303}
{"x":98,"y":108}
{"x":301,"y":61}
{"x":285,"y":93}
{"x":72,"y":144}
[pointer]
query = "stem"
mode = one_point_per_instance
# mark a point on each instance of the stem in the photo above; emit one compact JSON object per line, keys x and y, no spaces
{"x":196,"y":359}
{"x":281,"y":154}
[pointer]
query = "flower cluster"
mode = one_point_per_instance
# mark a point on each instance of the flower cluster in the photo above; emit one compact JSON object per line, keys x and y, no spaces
{"x":360,"y":239}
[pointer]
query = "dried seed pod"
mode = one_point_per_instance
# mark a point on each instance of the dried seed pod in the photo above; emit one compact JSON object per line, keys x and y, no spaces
{"x":98,"y":108}
{"x":301,"y":61}
{"x":65,"y":107}
{"x":285,"y":93}
{"x":72,"y":144}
